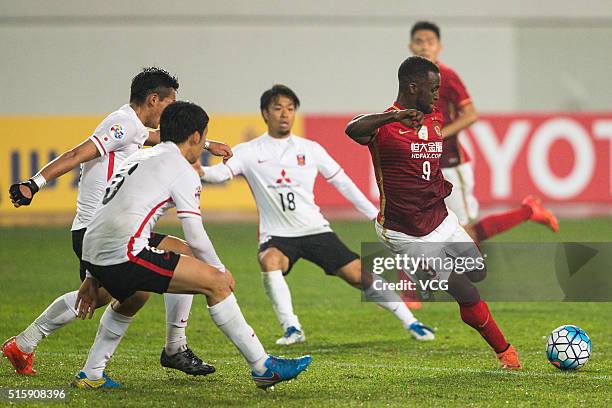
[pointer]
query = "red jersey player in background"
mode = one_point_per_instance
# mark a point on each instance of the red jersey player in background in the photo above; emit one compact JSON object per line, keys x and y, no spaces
{"x":458,"y":113}
{"x":414,"y":220}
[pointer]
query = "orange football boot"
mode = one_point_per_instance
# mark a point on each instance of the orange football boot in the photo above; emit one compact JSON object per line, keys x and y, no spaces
{"x":509,"y":359}
{"x":22,"y":362}
{"x":541,"y":214}
{"x":413,"y":305}
{"x":411,"y":300}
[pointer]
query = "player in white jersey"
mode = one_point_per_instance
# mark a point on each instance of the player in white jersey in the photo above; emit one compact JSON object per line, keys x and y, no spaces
{"x":118,"y":255}
{"x":281,"y":169}
{"x":120,"y":134}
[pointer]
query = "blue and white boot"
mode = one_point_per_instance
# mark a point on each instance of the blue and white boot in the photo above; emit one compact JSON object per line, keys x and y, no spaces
{"x":292,"y":335}
{"x":280,"y":369}
{"x":81,"y":381}
{"x":421,"y":332}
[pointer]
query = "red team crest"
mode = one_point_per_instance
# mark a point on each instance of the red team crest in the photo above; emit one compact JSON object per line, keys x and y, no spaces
{"x":301,"y":159}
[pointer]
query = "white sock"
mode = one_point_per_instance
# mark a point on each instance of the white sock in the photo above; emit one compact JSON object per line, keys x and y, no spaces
{"x":112,"y":327}
{"x":390,"y":301}
{"x":278,"y":292}
{"x":57,"y":315}
{"x":228,"y":317}
{"x":177,"y":314}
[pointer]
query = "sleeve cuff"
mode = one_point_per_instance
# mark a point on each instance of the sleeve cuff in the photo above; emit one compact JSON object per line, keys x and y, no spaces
{"x":188,"y":214}
{"x":96,"y":141}
{"x":232,"y":172}
{"x":334,"y":174}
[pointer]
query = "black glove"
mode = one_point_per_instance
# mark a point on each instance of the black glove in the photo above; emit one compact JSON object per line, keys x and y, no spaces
{"x":17,"y":197}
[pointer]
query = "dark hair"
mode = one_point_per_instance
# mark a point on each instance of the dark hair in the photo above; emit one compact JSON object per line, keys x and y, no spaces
{"x":152,"y":80}
{"x":415,"y":69}
{"x":425,"y":25}
{"x":273,"y":93}
{"x":179,"y":120}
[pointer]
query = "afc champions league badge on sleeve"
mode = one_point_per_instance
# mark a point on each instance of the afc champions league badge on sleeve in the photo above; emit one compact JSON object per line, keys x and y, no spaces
{"x":117,"y":131}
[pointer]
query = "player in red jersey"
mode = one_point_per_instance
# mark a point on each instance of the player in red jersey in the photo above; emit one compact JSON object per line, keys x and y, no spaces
{"x":458,"y":113}
{"x":406,"y":147}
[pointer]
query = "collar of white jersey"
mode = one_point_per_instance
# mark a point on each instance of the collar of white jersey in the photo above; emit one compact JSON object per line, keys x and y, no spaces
{"x":288,"y":139}
{"x":171,"y":146}
{"x":131,"y":112}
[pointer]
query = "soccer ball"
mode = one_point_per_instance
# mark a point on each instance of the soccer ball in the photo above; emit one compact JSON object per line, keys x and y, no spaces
{"x":568,"y":347}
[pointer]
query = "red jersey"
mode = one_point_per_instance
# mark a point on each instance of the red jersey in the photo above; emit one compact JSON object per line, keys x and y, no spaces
{"x":453,"y":96}
{"x":407,"y":166}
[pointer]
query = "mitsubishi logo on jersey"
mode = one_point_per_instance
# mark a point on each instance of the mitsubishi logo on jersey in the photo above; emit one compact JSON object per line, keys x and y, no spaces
{"x":283,"y":178}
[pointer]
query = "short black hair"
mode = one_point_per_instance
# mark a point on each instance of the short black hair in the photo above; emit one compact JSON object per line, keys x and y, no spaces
{"x":273,"y":93}
{"x":425,"y":25}
{"x":179,"y":120}
{"x":152,"y":80}
{"x":415,"y":69}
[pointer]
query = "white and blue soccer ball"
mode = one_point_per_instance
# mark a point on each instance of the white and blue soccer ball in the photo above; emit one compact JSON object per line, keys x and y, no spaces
{"x":568,"y":347}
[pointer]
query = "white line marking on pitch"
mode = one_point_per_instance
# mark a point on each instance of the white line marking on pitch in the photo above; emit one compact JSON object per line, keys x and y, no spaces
{"x":470,"y":370}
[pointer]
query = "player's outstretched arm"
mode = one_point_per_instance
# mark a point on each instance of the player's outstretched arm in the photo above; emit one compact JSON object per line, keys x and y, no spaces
{"x":22,"y":193}
{"x":200,"y":243}
{"x":216,"y":174}
{"x":215,"y":148}
{"x":334,"y":174}
{"x":349,"y":190}
{"x":363,"y":129}
{"x":467,"y":116}
{"x":220,"y":149}
{"x":232,"y":166}
{"x":153,"y":138}
{"x":202,"y":247}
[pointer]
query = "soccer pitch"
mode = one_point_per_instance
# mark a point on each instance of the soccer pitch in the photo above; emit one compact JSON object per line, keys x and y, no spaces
{"x":361,"y":354}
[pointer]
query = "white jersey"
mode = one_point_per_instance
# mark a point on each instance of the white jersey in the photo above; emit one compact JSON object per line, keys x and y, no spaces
{"x":119,"y":135}
{"x":282,"y":174}
{"x":146,"y":184}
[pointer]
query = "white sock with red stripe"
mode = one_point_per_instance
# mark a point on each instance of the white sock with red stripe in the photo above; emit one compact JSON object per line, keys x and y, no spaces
{"x":177,"y":314}
{"x":227,"y":316}
{"x":389,"y":300}
{"x":278,"y":292}
{"x":57,"y":315}
{"x":112,"y":327}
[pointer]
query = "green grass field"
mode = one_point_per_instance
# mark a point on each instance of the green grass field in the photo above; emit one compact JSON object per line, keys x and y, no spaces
{"x":361,"y":354}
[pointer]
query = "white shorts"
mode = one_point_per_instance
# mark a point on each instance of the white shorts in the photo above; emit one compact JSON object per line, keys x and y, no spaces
{"x":447,"y":233}
{"x":461,"y":200}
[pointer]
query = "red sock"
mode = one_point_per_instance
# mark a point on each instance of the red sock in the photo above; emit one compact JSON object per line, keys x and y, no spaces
{"x":478,"y":316}
{"x":497,"y":223}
